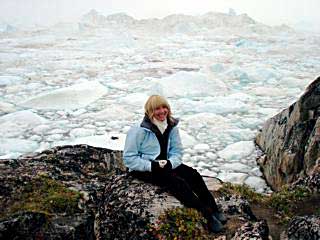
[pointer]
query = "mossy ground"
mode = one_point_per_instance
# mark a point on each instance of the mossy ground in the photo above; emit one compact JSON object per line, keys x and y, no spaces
{"x":46,"y":195}
{"x":180,"y":223}
{"x":277,"y":208}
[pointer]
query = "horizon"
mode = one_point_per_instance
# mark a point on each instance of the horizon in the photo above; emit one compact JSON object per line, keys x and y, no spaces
{"x":45,"y":12}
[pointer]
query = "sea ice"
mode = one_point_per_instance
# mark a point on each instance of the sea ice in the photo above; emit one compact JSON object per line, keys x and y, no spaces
{"x":223,"y":105}
{"x":236,"y":167}
{"x":208,"y":173}
{"x":188,"y":84}
{"x":186,"y":139}
{"x":41,"y":129}
{"x":237,"y":151}
{"x":256,"y":182}
{"x":135,"y":99}
{"x":223,"y":82}
{"x":207,"y":120}
{"x":81,"y":132}
{"x":9,"y":80}
{"x":111,"y":113}
{"x":237,"y":178}
{"x":14,"y":145}
{"x":114,"y":141}
{"x":201,"y":147}
{"x":6,"y":107}
{"x":73,"y":97}
{"x":16,"y":123}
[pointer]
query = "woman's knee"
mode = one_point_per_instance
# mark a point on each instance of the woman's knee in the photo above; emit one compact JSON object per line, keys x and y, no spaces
{"x":194,"y":173}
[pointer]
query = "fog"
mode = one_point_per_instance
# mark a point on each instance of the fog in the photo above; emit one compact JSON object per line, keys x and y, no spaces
{"x":45,"y":12}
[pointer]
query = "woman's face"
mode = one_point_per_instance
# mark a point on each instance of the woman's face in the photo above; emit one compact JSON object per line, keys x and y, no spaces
{"x":161,"y":113}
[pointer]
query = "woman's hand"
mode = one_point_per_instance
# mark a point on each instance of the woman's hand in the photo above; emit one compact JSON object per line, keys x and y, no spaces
{"x":161,"y":166}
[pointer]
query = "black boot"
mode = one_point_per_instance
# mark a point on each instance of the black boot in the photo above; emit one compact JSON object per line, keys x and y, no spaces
{"x":220,"y":216}
{"x":214,"y":225}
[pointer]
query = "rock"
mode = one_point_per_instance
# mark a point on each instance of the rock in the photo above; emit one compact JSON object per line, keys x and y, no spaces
{"x":290,"y":140}
{"x":99,"y":199}
{"x":132,"y":206}
{"x":253,"y":231}
{"x":35,"y":225}
{"x":303,"y":228}
{"x":311,"y":182}
{"x":82,"y":168}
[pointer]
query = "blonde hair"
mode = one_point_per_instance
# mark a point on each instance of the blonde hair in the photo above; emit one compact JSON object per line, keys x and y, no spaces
{"x":154,"y":102}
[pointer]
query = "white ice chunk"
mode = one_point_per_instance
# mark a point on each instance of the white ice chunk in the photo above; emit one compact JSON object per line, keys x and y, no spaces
{"x":235,"y":167}
{"x":211,"y":156}
{"x":15,"y":124}
{"x":200,"y":120}
{"x":135,"y":99}
{"x":292,"y":82}
{"x":256,"y":182}
{"x":114,"y":141}
{"x":241,"y":134}
{"x":237,"y":151}
{"x":75,"y":96}
{"x":201,"y":147}
{"x":81,"y":132}
{"x":54,"y":137}
{"x":9,"y":80}
{"x":188,"y":84}
{"x":237,"y":178}
{"x":111,"y":113}
{"x":226,"y":104}
{"x":208,"y":173}
{"x":6,"y":107}
{"x":256,"y":171}
{"x":264,"y":74}
{"x":41,"y":129}
{"x":186,"y":139}
{"x":268,"y":91}
{"x":11,"y":145}
{"x":218,"y":68}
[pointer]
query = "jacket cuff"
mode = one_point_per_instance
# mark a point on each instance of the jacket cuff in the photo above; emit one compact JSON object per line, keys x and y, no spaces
{"x":148,"y":166}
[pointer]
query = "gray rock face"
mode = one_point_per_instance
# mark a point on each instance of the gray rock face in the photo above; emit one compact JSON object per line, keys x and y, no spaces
{"x":291,"y":140}
{"x":303,"y":228}
{"x":253,"y":231}
{"x":36,"y":225}
{"x":82,"y":168}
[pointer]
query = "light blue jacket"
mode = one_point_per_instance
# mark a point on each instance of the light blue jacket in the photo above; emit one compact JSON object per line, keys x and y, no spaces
{"x":142,"y":147}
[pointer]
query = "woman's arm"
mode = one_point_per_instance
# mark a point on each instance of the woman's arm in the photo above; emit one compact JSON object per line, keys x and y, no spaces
{"x":131,"y":154}
{"x":175,"y":148}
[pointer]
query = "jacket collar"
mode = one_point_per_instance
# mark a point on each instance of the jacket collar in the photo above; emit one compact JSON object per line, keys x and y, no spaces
{"x":146,"y":123}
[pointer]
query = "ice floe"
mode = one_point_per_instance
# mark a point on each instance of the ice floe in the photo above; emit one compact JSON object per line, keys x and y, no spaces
{"x":73,"y":97}
{"x":237,"y":151}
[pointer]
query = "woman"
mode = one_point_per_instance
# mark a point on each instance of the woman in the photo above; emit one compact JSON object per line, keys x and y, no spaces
{"x":153,"y":153}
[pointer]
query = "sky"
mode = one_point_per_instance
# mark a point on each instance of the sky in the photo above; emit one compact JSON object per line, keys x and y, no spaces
{"x":47,"y":12}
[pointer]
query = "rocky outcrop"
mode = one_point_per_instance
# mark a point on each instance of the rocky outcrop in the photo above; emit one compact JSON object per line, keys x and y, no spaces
{"x":303,"y":228}
{"x":257,"y":231}
{"x":82,"y":192}
{"x":291,"y":140}
{"x":132,"y":207}
{"x":55,"y":175}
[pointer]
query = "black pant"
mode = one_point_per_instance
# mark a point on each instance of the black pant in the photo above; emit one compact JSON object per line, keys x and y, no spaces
{"x":186,"y":184}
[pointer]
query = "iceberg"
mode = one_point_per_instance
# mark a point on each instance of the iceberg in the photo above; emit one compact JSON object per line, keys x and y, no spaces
{"x":16,"y":145}
{"x":237,"y":151}
{"x":73,"y":97}
{"x":16,"y":123}
{"x":188,"y":84}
